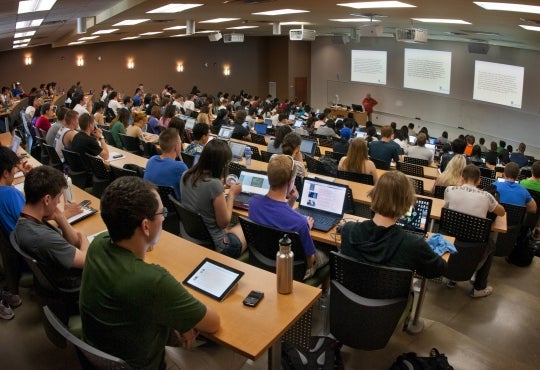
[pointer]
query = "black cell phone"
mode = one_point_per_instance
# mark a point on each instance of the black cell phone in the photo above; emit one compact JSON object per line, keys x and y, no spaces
{"x":253,"y":298}
{"x":84,"y":203}
{"x":117,"y":156}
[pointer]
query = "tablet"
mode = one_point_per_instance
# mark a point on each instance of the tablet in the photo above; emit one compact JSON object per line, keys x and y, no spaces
{"x":214,"y":279}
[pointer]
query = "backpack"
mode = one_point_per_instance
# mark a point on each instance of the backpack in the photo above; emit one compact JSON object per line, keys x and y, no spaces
{"x":410,"y":361}
{"x":329,"y":165}
{"x":324,"y":354}
{"x":524,"y":250}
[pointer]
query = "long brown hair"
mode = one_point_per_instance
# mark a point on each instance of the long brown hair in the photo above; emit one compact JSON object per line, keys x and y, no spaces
{"x":213,"y":162}
{"x":357,"y":155}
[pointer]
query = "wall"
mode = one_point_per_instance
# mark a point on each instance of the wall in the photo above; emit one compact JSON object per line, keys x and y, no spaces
{"x":299,"y":64}
{"x":330,"y":64}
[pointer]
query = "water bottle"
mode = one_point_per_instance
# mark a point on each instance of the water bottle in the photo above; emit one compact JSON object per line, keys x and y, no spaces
{"x":247,"y":154}
{"x":68,"y":191}
{"x":284,"y":266}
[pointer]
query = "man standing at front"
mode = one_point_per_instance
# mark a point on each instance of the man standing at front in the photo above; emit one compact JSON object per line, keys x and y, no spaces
{"x":368,"y":104}
{"x":128,"y":307}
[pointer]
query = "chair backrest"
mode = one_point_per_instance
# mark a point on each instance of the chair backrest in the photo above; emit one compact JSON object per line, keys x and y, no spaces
{"x":236,"y":168}
{"x":487,"y":172}
{"x":255,"y":154}
{"x":109,"y":139}
{"x":98,"y":359}
{"x":98,"y":167}
{"x":149,"y":149}
{"x":418,"y":185}
{"x":326,"y":142}
{"x":439,"y":191}
{"x":74,"y":160}
{"x":171,"y":223}
{"x":265,"y":156}
{"x":464,"y":227}
{"x":336,"y":155}
{"x":193,"y":227}
{"x":119,"y":172}
{"x":410,"y":169}
{"x":188,"y":159}
{"x":366,"y":301}
{"x":514,"y":220}
{"x":418,"y":161}
{"x":381,"y":165}
{"x":131,"y":144}
{"x":54,"y":159}
{"x":258,"y":139}
{"x":263,"y":245}
{"x":485,"y":182}
{"x":28,"y":134}
{"x":314,"y":165}
{"x":356,"y":177}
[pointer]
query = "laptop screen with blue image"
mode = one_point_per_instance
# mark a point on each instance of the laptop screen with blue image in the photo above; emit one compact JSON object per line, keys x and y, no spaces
{"x":260,"y":128}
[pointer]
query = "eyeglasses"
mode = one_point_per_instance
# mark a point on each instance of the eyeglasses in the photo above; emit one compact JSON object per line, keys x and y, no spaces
{"x":165,"y":212}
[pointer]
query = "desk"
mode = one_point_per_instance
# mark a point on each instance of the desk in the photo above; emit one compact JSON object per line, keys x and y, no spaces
{"x":359,"y":117}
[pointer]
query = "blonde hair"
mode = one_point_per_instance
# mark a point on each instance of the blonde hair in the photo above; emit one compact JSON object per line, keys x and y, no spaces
{"x":452,"y":174}
{"x":393,"y":195}
{"x":357,"y":155}
{"x":281,"y":169}
{"x":203,"y":118}
{"x":139,"y":116}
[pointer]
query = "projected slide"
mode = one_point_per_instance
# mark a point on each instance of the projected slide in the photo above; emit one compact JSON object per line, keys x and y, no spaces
{"x":427,"y":70}
{"x":368,"y":66}
{"x":498,"y":83}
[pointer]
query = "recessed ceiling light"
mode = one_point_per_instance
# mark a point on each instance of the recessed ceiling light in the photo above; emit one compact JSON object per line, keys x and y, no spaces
{"x":180,"y":35}
{"x":294,"y":23}
{"x":207,"y":31}
{"x":21,"y":41}
{"x":24,"y":34}
{"x":151,"y":33}
{"x":509,"y":7}
{"x":281,"y":12}
{"x":174,"y":8}
{"x":219,"y":20}
{"x":174,"y":28}
{"x":103,"y":32}
{"x":530,"y":28}
{"x":354,"y":20}
{"x":28,"y":24}
{"x":438,"y":20}
{"x":241,"y":27}
{"x":20,"y":46}
{"x":88,"y":38}
{"x":377,"y":4}
{"x":130,"y":38}
{"x":29,"y":6}
{"x":130,"y":22}
{"x":76,"y":42}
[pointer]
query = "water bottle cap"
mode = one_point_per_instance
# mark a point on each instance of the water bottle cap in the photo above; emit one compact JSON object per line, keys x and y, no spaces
{"x":285,"y":240}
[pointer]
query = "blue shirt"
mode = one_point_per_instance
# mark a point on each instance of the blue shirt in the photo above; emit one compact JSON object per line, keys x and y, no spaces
{"x":165,"y":171}
{"x":384,"y":151}
{"x":11,"y":205}
{"x":512,"y":193}
{"x":519,"y":158}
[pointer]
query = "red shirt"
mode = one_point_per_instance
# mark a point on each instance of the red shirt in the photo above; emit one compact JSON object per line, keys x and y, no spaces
{"x":43,"y":123}
{"x":368,"y":104}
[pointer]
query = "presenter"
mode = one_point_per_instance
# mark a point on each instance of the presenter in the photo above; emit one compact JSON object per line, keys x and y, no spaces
{"x":368,"y":104}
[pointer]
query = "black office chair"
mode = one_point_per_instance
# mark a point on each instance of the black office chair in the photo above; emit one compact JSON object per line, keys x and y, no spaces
{"x":255,"y":154}
{"x":514,"y":222}
{"x":192,"y":226}
{"x":485,"y":182}
{"x":149,"y":149}
{"x":101,"y":177}
{"x":336,"y":155}
{"x":356,"y":177}
{"x":188,"y":159}
{"x":410,"y":169}
{"x":236,"y":168}
{"x":43,"y":155}
{"x":381,"y":165}
{"x":439,"y":191}
{"x":89,"y":357}
{"x":76,"y":169}
{"x":326,"y":142}
{"x":109,"y":139}
{"x":487,"y":172}
{"x":265,"y":156}
{"x":258,"y":139}
{"x":418,"y":185}
{"x":131,"y":144}
{"x":316,"y":166}
{"x":263,"y":244}
{"x":417,"y":161}
{"x":54,"y":159}
{"x":172,"y":222}
{"x":367,"y":301}
{"x":119,"y":172}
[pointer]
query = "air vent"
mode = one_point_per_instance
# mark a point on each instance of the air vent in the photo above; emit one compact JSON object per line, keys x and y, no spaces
{"x":52,"y":23}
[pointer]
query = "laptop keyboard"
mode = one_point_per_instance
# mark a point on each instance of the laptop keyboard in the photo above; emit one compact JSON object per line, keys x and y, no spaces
{"x":321,"y":222}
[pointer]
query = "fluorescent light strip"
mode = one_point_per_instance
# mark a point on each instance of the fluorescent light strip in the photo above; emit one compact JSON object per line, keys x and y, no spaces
{"x":509,"y":7}
{"x":20,"y":46}
{"x":241,"y":27}
{"x":377,"y":4}
{"x":354,"y":20}
{"x":24,"y":34}
{"x":174,"y":28}
{"x":281,"y":12}
{"x":294,"y":23}
{"x":207,"y":31}
{"x":219,"y":20}
{"x":439,"y":20}
{"x":174,"y":8}
{"x":30,"y":6}
{"x":76,"y":42}
{"x":88,"y":38}
{"x":104,"y":32}
{"x":28,"y":24}
{"x":530,"y":28}
{"x":130,"y":22}
{"x":180,"y":35}
{"x":151,"y":33}
{"x":21,"y":41}
{"x":130,"y":38}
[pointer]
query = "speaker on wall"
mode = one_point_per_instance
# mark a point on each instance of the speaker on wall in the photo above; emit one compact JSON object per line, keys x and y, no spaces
{"x":478,"y":48}
{"x":214,"y":36}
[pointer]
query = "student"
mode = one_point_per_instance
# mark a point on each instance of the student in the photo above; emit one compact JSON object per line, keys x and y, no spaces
{"x":511,"y":192}
{"x":121,"y":123}
{"x":89,"y":140}
{"x":519,"y":156}
{"x":357,"y":160}
{"x":452,"y":175}
{"x":419,"y":150}
{"x":342,"y":145}
{"x":200,"y":134}
{"x":274,"y":146}
{"x":114,"y":297}
{"x":385,"y":149}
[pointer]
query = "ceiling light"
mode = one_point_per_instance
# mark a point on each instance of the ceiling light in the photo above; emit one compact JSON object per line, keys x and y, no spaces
{"x":354,"y":20}
{"x":29,"y":6}
{"x":174,"y":8}
{"x":530,"y":28}
{"x":174,"y":28}
{"x":20,"y":46}
{"x":219,"y":20}
{"x":130,"y":22}
{"x":28,"y":24}
{"x":207,"y":31}
{"x":130,"y":38}
{"x":241,"y":27}
{"x":24,"y":34}
{"x":103,"y":32}
{"x":21,"y":41}
{"x":76,"y":42}
{"x":294,"y":23}
{"x":438,"y":20}
{"x":151,"y":33}
{"x":508,"y":7}
{"x":180,"y":35}
{"x":88,"y":38}
{"x":377,"y":4}
{"x":281,"y":12}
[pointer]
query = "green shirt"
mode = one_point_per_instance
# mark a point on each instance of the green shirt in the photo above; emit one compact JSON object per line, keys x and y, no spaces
{"x":118,"y":128}
{"x":530,"y":184}
{"x":129,"y":306}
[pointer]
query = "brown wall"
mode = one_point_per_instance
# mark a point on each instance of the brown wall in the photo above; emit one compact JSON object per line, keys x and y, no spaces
{"x":300,"y":64}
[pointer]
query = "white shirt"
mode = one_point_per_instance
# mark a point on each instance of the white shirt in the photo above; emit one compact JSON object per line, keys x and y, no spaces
{"x":189,"y":104}
{"x":115,"y":105}
{"x":80,"y":109}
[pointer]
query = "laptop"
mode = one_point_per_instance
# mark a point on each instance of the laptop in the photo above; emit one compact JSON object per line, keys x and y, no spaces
{"x":324,"y":201}
{"x":268,"y":122}
{"x":361,"y":134}
{"x":432,"y":140}
{"x":252,"y":183}
{"x":412,"y":139}
{"x":260,"y":128}
{"x":225,"y":133}
{"x":298,"y":123}
{"x":308,"y":147}
{"x":292,"y":117}
{"x":190,"y":123}
{"x":357,"y":107}
{"x":416,"y":221}
{"x":237,"y":150}
{"x":15,"y":143}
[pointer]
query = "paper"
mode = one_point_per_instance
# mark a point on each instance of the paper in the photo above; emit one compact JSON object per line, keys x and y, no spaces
{"x":114,"y":156}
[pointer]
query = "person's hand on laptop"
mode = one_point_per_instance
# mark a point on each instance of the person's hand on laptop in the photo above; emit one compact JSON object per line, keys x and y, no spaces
{"x":292,"y":196}
{"x":72,"y":209}
{"x":310,"y":221}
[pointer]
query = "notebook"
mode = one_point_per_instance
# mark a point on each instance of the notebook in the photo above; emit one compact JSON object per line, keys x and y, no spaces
{"x":237,"y":150}
{"x":225,"y":132}
{"x":416,"y":221}
{"x":308,"y":147}
{"x":324,"y":201}
{"x":260,"y":128}
{"x":252,"y":183}
{"x":87,"y":211}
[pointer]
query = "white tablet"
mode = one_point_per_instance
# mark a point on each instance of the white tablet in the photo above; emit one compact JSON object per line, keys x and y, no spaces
{"x":214,"y":279}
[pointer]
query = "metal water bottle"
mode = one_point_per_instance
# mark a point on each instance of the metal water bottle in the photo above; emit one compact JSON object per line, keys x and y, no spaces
{"x":247,"y":154}
{"x":284,"y":266}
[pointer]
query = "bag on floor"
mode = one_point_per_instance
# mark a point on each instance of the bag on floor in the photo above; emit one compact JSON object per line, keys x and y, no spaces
{"x":524,"y":250}
{"x":410,"y":361}
{"x":324,"y":354}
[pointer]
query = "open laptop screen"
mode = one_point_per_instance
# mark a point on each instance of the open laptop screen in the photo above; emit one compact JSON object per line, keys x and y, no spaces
{"x":418,"y":217}
{"x":260,"y":128}
{"x":268,"y":122}
{"x":190,"y":122}
{"x":298,"y":123}
{"x":323,"y":196}
{"x":237,"y":149}
{"x":15,"y":143}
{"x":254,"y":183}
{"x":308,"y":147}
{"x":225,"y":132}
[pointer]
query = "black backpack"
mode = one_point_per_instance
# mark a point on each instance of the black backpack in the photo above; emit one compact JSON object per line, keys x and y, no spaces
{"x":524,"y":250}
{"x":410,"y":361}
{"x":324,"y":354}
{"x":109,"y":115}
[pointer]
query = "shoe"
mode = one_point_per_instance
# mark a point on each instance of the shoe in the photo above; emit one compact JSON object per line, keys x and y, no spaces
{"x":481,"y":293}
{"x":451,"y":284}
{"x":6,"y":312}
{"x":473,"y":278}
{"x":12,"y":299}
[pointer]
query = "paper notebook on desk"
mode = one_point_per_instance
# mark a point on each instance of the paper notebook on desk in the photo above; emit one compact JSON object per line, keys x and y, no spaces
{"x":87,"y":212}
{"x":20,"y":187}
{"x":91,"y":237}
{"x":114,"y":156}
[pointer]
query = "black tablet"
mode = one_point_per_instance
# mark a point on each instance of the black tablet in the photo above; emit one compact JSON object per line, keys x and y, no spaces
{"x":214,"y":279}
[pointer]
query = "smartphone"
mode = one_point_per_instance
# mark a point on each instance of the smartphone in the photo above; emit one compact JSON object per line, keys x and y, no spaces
{"x":85,"y":203}
{"x":253,"y":298}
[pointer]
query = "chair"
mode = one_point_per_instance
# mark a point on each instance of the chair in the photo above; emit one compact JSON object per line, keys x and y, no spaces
{"x":381,"y":165}
{"x":417,"y":161}
{"x":90,"y":357}
{"x":149,"y":149}
{"x":485,"y":182}
{"x":263,"y":244}
{"x":514,"y":222}
{"x":418,"y":185}
{"x":337,"y":156}
{"x":43,"y":155}
{"x":101,"y":177}
{"x":192,"y":226}
{"x":255,"y":154}
{"x":366,"y":301}
{"x":316,"y":166}
{"x":117,"y":172}
{"x":487,"y":172}
{"x":348,"y":206}
{"x":327,"y":143}
{"x":265,"y":156}
{"x":109,"y":139}
{"x":410,"y":169}
{"x":236,"y":168}
{"x":27,"y":133}
{"x":131,"y":144}
{"x":172,"y":222}
{"x":439,"y":191}
{"x":472,"y":235}
{"x":54,"y":159}
{"x":258,"y":139}
{"x":188,"y":159}
{"x":76,"y":168}
{"x":356,"y":177}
